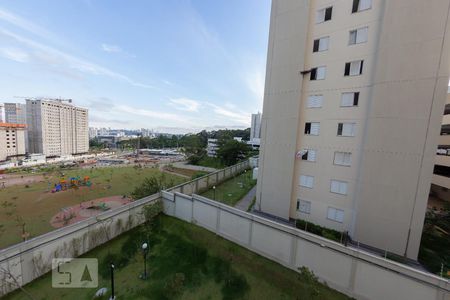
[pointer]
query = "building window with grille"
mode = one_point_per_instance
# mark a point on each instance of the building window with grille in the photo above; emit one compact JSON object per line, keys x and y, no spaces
{"x":304,"y":206}
{"x":312,"y":128}
{"x":321,"y":44}
{"x":308,"y":154}
{"x":354,"y":68}
{"x":342,"y":158}
{"x":346,"y":129}
{"x":307,"y":181}
{"x":335,"y":214}
{"x":358,"y":36}
{"x":360,"y":5}
{"x":324,"y":14}
{"x":318,"y":73}
{"x":338,"y":187}
{"x":349,"y":99}
{"x":314,"y":101}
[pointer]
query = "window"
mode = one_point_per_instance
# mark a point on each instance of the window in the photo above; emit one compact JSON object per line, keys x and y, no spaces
{"x":324,"y":14}
{"x":360,"y":5}
{"x":315,"y":101}
{"x":335,"y":214}
{"x":358,"y":36}
{"x":309,"y":154}
{"x":306,"y":181}
{"x":312,"y":128}
{"x":318,"y":73}
{"x":338,"y":187}
{"x":343,"y":158}
{"x":321,"y":44}
{"x":349,"y":99}
{"x":304,"y":206}
{"x":346,"y":129}
{"x":354,"y":68}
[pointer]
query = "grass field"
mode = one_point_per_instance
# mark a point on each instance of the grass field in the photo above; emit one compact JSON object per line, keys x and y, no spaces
{"x":232,"y":190}
{"x":36,"y":204}
{"x":211,"y":162}
{"x":185,"y":262}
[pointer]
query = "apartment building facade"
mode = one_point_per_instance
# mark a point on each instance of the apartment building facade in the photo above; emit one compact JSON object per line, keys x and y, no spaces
{"x":15,"y":113}
{"x":440,"y":183}
{"x":12,"y":140}
{"x":353,"y":100}
{"x":56,"y":127}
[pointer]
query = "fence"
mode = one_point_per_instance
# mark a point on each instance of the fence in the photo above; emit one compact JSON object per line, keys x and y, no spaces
{"x":351,"y":271}
{"x":26,"y":261}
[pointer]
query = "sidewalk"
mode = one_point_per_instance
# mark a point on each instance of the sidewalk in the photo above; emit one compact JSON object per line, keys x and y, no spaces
{"x":245,"y":202}
{"x":185,"y":165}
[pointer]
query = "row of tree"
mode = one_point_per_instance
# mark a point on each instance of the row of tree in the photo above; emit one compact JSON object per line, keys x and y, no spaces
{"x":194,"y":145}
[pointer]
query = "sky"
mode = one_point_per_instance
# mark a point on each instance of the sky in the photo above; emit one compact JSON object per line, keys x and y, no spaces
{"x":172,"y":65}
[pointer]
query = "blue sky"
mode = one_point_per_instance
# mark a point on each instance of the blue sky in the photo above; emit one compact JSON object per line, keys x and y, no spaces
{"x":172,"y":65}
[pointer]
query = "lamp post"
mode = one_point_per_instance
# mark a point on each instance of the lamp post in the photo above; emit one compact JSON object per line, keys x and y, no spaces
{"x":144,"y":252}
{"x":214,"y":191}
{"x":112,"y":282}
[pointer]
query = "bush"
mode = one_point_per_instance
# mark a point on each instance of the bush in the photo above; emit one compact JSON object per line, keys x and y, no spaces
{"x":319,"y":230}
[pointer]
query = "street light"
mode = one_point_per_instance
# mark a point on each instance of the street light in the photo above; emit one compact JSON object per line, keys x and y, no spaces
{"x":144,"y":252}
{"x":214,"y":190}
{"x":112,"y":282}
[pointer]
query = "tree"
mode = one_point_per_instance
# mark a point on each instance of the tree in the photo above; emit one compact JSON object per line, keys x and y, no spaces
{"x":231,"y":151}
{"x":150,"y":186}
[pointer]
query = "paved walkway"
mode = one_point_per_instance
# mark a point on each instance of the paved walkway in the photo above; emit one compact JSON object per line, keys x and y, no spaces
{"x":184,"y":165}
{"x":245,"y":202}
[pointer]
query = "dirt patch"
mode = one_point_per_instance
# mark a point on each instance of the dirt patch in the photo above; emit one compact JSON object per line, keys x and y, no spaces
{"x":87,"y":209}
{"x":7,"y":180}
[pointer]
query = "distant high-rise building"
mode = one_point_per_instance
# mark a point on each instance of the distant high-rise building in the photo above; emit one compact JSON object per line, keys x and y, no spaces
{"x":56,"y":127}
{"x":15,"y":113}
{"x":2,"y":113}
{"x":12,"y":140}
{"x":212,"y":147}
{"x":352,"y":110}
{"x":255,"y":130}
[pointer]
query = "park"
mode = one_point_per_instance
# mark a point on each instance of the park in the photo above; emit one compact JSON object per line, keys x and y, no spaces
{"x":63,"y":196}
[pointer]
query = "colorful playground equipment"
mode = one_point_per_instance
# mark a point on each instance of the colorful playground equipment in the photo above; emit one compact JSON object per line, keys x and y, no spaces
{"x":72,"y":183}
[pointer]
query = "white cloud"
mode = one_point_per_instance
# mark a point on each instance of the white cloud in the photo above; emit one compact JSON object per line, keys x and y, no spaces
{"x":111,"y":48}
{"x":62,"y":59}
{"x":15,"y":54}
{"x":185,"y":104}
{"x":236,"y":116}
{"x":255,"y":83}
{"x":24,"y":24}
{"x":150,"y":113}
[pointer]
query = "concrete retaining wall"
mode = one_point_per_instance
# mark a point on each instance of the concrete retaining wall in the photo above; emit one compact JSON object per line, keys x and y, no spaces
{"x":351,"y":271}
{"x":28,"y":260}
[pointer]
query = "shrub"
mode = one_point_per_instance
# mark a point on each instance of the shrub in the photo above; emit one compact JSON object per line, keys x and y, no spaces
{"x":319,"y":230}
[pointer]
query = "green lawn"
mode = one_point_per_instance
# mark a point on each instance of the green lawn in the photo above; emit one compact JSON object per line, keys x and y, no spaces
{"x":211,"y":162}
{"x":36,"y":204}
{"x":185,"y":262}
{"x":232,"y":190}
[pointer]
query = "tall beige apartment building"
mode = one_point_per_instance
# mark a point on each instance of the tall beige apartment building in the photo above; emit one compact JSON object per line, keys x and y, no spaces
{"x":353,"y":103}
{"x":56,"y":127}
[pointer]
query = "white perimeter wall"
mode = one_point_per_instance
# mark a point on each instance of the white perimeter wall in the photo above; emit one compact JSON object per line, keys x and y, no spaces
{"x":351,"y":271}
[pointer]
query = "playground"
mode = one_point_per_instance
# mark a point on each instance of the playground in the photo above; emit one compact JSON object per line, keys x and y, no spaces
{"x":28,"y":208}
{"x":87,"y":209}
